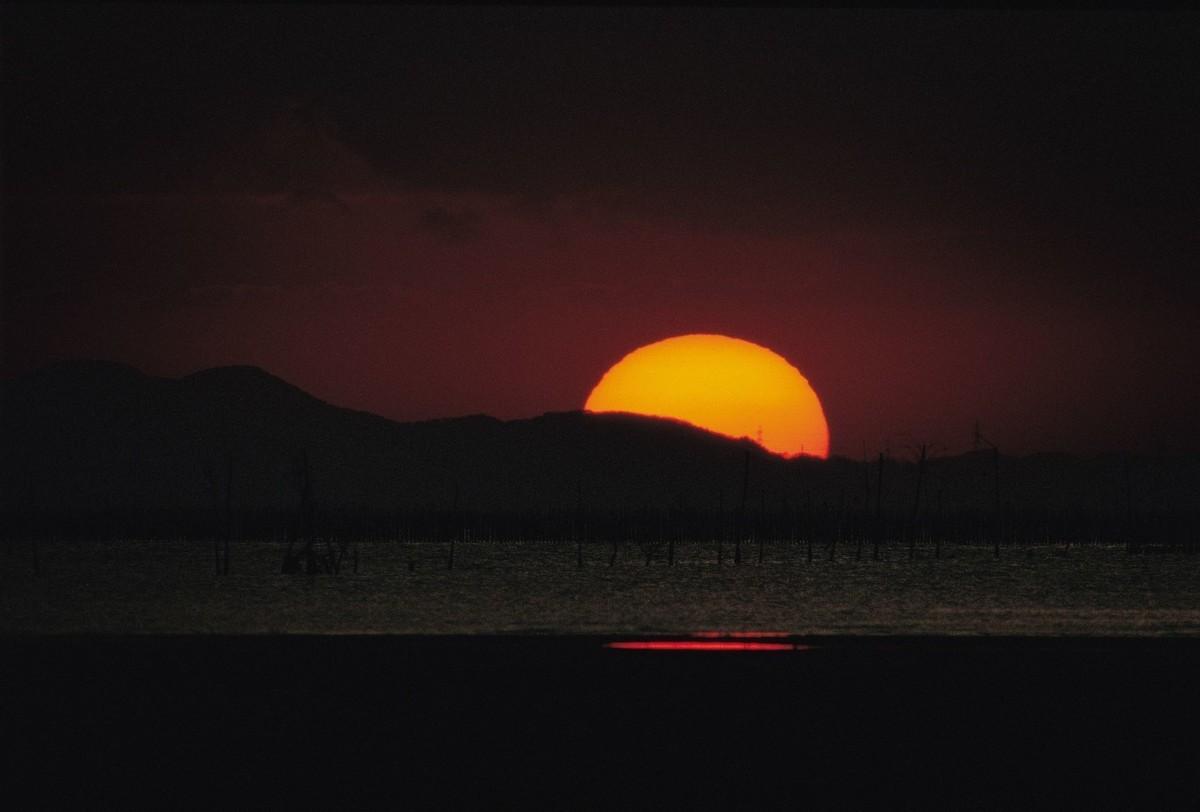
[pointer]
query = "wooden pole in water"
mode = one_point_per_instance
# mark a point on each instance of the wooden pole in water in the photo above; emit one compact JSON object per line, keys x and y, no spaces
{"x":310,"y":560}
{"x":653,"y":535}
{"x":454,"y":528}
{"x":672,"y":527}
{"x":866,"y":511}
{"x":806,"y":526}
{"x":1129,"y":540}
{"x":761,"y":530}
{"x":916,"y":511}
{"x":721,"y":527}
{"x":741,"y":517}
{"x":333,"y":561}
{"x":210,"y":477}
{"x":31,"y":527}
{"x":296,"y":533}
{"x":228,"y":511}
{"x":787,"y":518}
{"x":840,"y":523}
{"x":577,"y":529}
{"x":937,"y":530}
{"x":999,"y":517}
{"x":878,"y":509}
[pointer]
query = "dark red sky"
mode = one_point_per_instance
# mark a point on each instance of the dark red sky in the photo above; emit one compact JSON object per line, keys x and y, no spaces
{"x":937,"y":217}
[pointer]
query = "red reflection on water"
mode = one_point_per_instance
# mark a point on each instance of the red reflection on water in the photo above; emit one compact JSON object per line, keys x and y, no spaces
{"x":739,"y":635}
{"x":702,"y":645}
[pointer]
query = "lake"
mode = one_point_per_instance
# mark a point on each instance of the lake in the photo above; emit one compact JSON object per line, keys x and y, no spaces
{"x":169,"y":587}
{"x":1045,"y":679}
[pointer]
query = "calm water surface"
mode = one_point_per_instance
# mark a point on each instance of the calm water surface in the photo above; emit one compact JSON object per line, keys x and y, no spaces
{"x":166,"y":586}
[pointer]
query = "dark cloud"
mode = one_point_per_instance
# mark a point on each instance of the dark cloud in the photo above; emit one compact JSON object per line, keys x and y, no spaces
{"x":295,"y":151}
{"x":939,"y":216}
{"x":456,"y":226}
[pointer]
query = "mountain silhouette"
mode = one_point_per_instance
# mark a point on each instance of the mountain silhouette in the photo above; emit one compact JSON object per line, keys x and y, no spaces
{"x":99,"y":435}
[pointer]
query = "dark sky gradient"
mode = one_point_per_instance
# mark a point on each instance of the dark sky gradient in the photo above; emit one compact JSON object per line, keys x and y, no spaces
{"x":937,"y":217}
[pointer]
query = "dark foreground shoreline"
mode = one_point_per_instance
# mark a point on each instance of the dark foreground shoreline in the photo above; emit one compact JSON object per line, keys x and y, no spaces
{"x":566,"y":723}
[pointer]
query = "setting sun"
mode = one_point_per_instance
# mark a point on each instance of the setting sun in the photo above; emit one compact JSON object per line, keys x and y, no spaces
{"x":726,"y":385}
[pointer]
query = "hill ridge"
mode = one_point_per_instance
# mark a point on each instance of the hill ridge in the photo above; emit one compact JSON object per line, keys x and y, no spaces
{"x":97,"y":434}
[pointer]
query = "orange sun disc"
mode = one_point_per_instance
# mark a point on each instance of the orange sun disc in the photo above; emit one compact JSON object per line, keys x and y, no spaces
{"x":726,"y":385}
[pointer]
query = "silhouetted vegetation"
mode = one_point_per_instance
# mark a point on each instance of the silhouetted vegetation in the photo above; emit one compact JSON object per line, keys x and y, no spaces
{"x":100,"y":452}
